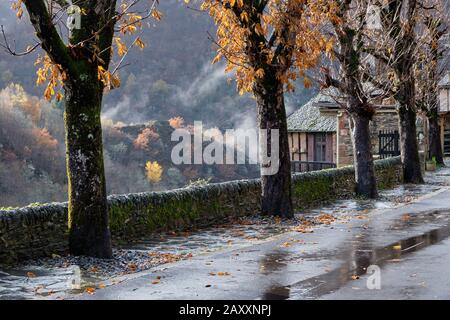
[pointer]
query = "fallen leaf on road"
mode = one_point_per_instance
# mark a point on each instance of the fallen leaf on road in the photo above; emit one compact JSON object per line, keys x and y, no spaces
{"x":406,"y":217}
{"x":223,"y":274}
{"x":286,"y":244}
{"x":90,"y":290}
{"x":355,"y":277}
{"x":31,"y":275}
{"x":302,"y":229}
{"x":155,"y":281}
{"x":212,"y":273}
{"x":326,"y":218}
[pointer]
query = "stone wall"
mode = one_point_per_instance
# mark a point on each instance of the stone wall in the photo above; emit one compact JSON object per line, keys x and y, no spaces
{"x":32,"y":232}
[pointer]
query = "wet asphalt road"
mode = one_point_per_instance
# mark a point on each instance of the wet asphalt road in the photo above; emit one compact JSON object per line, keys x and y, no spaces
{"x":410,"y":244}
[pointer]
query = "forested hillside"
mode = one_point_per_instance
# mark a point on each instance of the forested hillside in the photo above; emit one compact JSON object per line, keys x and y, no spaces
{"x":173,"y":77}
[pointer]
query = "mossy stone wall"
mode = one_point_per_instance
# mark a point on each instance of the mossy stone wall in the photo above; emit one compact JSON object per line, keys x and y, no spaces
{"x":38,"y":231}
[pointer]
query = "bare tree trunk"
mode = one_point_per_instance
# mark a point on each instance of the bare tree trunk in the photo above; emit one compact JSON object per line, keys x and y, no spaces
{"x":276,"y":188}
{"x":435,"y":139}
{"x":88,"y":210}
{"x":412,"y":172}
{"x":366,"y":184}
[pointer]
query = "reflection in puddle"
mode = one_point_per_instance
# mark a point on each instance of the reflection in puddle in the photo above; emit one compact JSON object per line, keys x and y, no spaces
{"x":357,"y":259}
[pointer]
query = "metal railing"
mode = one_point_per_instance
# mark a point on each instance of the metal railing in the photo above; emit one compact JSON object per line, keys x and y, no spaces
{"x":306,"y":166}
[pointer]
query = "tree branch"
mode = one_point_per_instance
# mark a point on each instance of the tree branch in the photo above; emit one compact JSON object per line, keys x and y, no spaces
{"x":46,"y":31}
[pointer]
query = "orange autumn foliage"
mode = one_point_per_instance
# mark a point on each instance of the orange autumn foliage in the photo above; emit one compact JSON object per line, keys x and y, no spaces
{"x":288,"y":33}
{"x":176,"y":122}
{"x":142,"y":142}
{"x":44,"y":138}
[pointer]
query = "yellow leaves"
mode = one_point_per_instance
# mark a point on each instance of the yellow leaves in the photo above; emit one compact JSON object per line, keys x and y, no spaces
{"x":121,"y":46}
{"x":140,"y":43}
{"x":259,"y":29}
{"x":52,"y":74}
{"x":259,"y":73}
{"x":154,"y":171}
{"x":244,"y":16}
{"x":157,"y":15}
{"x":17,"y":6}
{"x":397,"y":247}
{"x":109,"y":80}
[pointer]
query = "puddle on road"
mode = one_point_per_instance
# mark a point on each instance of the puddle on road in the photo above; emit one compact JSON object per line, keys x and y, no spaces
{"x":357,"y":259}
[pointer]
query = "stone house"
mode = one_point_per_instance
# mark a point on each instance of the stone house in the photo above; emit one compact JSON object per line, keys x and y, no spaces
{"x":320,"y":136}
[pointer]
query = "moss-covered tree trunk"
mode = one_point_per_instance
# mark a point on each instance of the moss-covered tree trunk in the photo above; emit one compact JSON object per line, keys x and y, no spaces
{"x":88,"y":210}
{"x":89,"y":49}
{"x":366,"y":184}
{"x":276,"y":187}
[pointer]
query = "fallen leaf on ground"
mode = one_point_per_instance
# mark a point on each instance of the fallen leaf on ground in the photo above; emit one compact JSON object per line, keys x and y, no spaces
{"x":132,"y":267}
{"x":212,"y":273}
{"x":155,"y":281}
{"x":93,"y":269}
{"x":302,"y":229}
{"x":31,"y":275}
{"x":89,"y":290}
{"x":286,"y":244}
{"x":397,"y":247}
{"x":355,"y":277}
{"x":406,"y":217}
{"x":326,"y":218}
{"x":223,"y":273}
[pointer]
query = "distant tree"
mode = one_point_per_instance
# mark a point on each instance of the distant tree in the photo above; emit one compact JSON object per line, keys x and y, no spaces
{"x":154,"y":171}
{"x":395,"y":47}
{"x":353,"y":94}
{"x":81,"y":66}
{"x":433,"y":63}
{"x":269,"y":44}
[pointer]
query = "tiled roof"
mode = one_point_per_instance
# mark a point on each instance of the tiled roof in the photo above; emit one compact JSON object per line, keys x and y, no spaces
{"x":309,"y":119}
